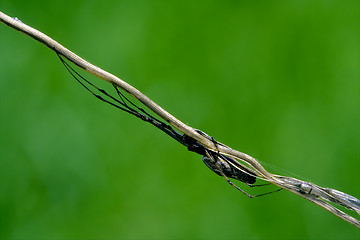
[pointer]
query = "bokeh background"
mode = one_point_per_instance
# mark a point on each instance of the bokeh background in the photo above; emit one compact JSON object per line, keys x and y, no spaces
{"x":278,"y":80}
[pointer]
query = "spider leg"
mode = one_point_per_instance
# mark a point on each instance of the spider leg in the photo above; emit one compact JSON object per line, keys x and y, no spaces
{"x":224,"y":176}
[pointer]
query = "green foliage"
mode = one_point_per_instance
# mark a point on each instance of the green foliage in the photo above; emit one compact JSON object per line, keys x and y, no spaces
{"x":278,"y":80}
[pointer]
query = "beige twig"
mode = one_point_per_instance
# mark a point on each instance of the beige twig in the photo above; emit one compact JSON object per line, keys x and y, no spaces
{"x":290,"y":184}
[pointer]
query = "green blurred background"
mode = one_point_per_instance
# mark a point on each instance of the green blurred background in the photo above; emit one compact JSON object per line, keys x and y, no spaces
{"x":278,"y":80}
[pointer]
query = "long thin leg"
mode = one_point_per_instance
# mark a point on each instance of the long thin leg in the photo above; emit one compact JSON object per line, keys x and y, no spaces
{"x":224,"y":176}
{"x":232,"y":184}
{"x":250,"y":196}
{"x":258,"y":185}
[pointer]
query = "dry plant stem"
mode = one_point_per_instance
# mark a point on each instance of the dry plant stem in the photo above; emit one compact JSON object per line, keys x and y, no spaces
{"x":327,"y":207}
{"x":206,"y":142}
